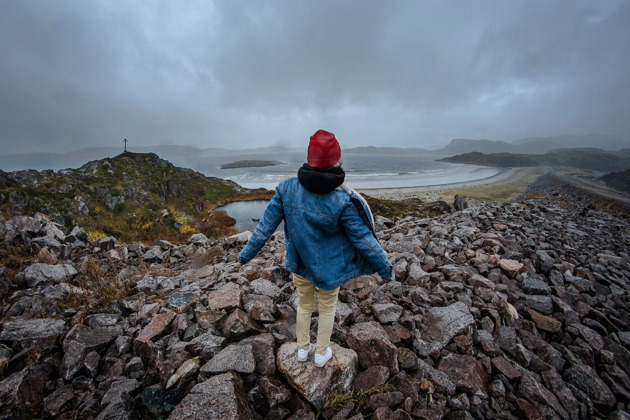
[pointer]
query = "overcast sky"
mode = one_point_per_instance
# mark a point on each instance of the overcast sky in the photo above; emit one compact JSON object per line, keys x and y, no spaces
{"x":245,"y":73}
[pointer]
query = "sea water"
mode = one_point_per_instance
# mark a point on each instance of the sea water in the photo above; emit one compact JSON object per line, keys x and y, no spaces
{"x":363,"y":171}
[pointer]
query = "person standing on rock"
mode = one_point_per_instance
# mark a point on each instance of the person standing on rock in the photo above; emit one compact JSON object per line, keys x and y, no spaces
{"x":330,"y":239}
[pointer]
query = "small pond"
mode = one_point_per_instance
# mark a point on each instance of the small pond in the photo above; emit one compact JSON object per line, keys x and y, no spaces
{"x":246,"y":213}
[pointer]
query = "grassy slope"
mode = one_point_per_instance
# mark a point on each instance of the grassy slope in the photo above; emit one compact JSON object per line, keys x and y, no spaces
{"x":125,"y":196}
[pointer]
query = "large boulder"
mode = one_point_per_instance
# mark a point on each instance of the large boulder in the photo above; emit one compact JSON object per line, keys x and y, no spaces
{"x":372,"y":344}
{"x":314,"y":383}
{"x":42,"y":333}
{"x":442,"y":324}
{"x":80,"y":341}
{"x":219,"y":397}
{"x":41,"y":274}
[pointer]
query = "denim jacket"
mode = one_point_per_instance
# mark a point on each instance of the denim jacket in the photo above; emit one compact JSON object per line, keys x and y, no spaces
{"x":330,"y":238}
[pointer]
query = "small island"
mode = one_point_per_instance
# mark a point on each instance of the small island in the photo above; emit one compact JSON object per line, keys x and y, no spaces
{"x":250,"y":164}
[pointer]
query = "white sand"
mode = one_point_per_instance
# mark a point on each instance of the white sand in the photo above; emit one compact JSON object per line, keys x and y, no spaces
{"x":436,"y":192}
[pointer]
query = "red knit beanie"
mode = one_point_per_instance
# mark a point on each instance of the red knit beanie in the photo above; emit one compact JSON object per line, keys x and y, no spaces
{"x":323,"y":150}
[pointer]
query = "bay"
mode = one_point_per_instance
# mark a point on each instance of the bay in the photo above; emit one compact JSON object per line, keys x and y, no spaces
{"x":363,"y":171}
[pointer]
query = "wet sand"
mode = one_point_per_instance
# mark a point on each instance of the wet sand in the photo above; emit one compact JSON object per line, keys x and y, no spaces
{"x":445,"y":191}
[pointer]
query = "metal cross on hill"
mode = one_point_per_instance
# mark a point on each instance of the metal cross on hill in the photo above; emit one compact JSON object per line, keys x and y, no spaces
{"x":125,"y":141}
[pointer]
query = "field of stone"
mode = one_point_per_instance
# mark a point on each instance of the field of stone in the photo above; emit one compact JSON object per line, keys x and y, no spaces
{"x":504,"y":310}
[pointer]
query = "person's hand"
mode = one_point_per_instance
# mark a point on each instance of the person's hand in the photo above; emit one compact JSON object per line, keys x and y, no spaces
{"x":387,"y":280}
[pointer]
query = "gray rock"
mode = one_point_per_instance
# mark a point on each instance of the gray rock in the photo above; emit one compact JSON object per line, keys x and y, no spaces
{"x":442,"y":324}
{"x":386,"y":313}
{"x":219,"y":397}
{"x":265,"y":287}
{"x":542,"y":304}
{"x":263,"y":350}
{"x":260,"y":308}
{"x":235,"y":357}
{"x":372,"y":377}
{"x":23,"y":392}
{"x":274,"y":391}
{"x":154,"y":254}
{"x":343,"y":313}
{"x":586,"y":379}
{"x":313,"y":383}
{"x":239,"y":325}
{"x":554,"y":382}
{"x":79,"y":234}
{"x":78,"y":343}
{"x":178,"y":300}
{"x":535,"y":287}
{"x":60,"y":400}
{"x":154,"y":329}
{"x":383,"y":222}
{"x":48,"y":242}
{"x":466,"y":373}
{"x":119,"y":393}
{"x":438,"y":377}
{"x":40,"y":273}
{"x":530,"y":389}
{"x":198,"y":239}
{"x":159,"y":403}
{"x":227,"y":298}
{"x":108,"y":243}
{"x":186,"y":371}
{"x":370,"y":341}
{"x":206,"y":345}
{"x":416,"y":275}
{"x":43,"y":333}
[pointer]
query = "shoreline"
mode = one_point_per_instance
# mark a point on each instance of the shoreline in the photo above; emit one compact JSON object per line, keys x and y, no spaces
{"x":503,"y":179}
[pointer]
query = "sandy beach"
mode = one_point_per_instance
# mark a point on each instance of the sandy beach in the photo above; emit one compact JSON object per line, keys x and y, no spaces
{"x":505,"y":185}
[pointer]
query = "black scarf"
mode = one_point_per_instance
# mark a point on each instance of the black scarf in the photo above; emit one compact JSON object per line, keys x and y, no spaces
{"x":321,"y":180}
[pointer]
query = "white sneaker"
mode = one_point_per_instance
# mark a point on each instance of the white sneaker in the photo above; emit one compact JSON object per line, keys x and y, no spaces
{"x":321,"y":359}
{"x":303,"y":354}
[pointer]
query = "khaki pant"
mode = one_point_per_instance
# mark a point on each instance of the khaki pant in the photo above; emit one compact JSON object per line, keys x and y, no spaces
{"x":327,"y":301}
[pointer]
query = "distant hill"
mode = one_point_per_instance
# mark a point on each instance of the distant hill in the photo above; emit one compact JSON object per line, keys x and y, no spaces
{"x":373,"y":150}
{"x":500,"y":160}
{"x":585,"y":158}
{"x":201,"y":159}
{"x":601,"y":141}
{"x":533,"y":145}
{"x":182,"y":156}
{"x":461,"y":146}
{"x":618,"y":180}
{"x":125,"y":196}
{"x":179,"y":155}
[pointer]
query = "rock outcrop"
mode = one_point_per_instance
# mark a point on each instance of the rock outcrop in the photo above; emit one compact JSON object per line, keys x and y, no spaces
{"x":500,"y":310}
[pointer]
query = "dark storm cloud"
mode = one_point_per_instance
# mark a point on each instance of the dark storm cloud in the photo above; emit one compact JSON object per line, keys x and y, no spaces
{"x":247,"y":73}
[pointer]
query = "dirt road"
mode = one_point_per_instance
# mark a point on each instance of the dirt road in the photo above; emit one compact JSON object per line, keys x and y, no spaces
{"x":590,"y":183}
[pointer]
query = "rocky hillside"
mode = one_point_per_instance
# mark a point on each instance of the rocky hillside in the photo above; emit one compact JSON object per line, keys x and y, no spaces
{"x":618,"y":180}
{"x":587,"y":159}
{"x":515,"y":310}
{"x":131,"y":196}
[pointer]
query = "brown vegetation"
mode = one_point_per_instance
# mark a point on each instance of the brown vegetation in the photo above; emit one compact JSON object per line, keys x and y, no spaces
{"x":97,"y":285}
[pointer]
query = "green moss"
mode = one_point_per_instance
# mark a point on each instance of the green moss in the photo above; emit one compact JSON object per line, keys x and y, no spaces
{"x":147,"y":183}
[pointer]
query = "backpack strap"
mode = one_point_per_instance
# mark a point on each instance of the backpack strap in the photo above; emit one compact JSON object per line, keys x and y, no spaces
{"x":361,"y":205}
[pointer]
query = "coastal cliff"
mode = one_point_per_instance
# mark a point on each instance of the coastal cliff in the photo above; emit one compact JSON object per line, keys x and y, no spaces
{"x":501,"y":310}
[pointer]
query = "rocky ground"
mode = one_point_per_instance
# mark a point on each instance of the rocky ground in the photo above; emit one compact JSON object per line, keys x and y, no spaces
{"x":501,"y":310}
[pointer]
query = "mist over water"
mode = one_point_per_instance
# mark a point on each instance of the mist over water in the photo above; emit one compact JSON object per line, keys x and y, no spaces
{"x":363,"y":171}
